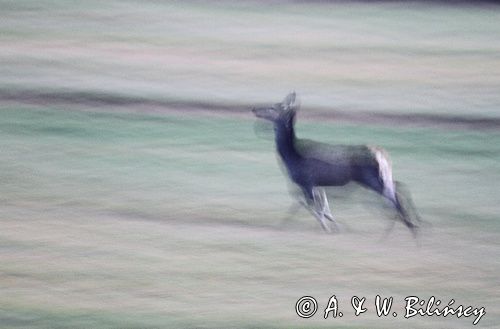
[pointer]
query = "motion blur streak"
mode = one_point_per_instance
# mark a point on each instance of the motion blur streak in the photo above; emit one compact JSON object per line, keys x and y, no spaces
{"x":134,"y":192}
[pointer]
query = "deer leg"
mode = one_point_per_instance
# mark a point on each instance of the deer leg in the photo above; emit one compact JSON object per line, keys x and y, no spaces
{"x":319,"y":207}
{"x":326,"y":206}
{"x":326,"y":210}
{"x":371,"y":179}
{"x":314,"y":205}
{"x":406,"y":209}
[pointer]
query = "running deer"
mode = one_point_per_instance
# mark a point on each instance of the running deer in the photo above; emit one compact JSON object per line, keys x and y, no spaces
{"x":313,"y":165}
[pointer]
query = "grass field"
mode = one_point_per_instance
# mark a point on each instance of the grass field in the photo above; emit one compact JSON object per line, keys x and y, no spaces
{"x":129,"y":199}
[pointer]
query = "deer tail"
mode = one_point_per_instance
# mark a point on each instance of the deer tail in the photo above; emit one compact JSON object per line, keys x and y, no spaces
{"x":385,"y":172}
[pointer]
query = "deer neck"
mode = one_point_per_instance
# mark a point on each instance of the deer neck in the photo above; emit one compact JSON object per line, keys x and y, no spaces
{"x":285,"y":142}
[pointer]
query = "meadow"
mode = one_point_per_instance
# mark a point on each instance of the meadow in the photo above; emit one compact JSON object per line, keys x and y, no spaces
{"x":138,"y":191}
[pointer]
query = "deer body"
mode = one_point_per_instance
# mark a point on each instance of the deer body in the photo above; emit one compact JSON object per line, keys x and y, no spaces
{"x":313,"y":166}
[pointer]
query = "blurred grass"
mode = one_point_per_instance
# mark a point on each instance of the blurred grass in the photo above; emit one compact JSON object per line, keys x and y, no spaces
{"x":159,"y":220}
{"x":127,"y":216}
{"x":390,"y":57}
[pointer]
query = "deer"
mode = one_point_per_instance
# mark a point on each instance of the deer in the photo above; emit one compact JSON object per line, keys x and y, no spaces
{"x":314,"y":166}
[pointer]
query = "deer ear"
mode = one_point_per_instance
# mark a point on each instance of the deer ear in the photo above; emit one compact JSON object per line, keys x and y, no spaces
{"x":291,"y":102}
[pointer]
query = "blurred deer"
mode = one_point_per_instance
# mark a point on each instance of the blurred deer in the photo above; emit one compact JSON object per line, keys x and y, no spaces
{"x":312,"y":166}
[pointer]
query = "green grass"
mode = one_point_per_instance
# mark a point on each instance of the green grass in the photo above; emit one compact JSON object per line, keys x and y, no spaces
{"x":384,"y":57}
{"x":140,"y":215}
{"x":158,"y":220}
